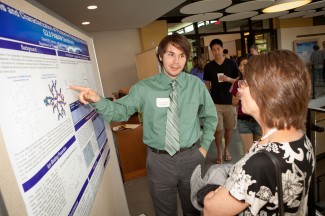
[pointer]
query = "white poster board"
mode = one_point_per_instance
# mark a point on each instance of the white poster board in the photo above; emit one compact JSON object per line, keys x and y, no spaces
{"x":57,"y":147}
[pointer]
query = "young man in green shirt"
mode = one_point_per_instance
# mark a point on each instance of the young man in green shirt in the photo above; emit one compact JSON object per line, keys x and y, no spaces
{"x":169,"y":169}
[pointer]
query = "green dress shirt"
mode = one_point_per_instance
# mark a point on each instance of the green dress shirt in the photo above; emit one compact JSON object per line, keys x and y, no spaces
{"x":194,"y":102}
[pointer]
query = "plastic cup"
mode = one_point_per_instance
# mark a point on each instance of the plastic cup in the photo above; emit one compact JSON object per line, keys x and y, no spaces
{"x":219,"y":76}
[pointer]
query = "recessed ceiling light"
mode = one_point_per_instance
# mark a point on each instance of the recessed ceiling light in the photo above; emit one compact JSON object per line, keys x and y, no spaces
{"x":92,"y":7}
{"x":85,"y":23}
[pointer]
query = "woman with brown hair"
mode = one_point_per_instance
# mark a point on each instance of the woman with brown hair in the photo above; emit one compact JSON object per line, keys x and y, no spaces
{"x":275,"y":90}
{"x":248,"y":128}
{"x":198,"y":67}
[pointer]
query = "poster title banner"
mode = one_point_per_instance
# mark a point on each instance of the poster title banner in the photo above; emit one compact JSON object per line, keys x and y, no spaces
{"x":17,"y":25}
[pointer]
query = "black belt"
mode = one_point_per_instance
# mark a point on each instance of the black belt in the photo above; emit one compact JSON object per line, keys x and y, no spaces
{"x":158,"y":151}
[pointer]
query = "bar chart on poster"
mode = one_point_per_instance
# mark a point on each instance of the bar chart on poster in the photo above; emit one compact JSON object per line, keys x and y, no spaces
{"x":58,"y":148}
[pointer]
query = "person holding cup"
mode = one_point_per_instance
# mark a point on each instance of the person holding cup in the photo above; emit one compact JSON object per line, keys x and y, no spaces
{"x":219,"y":75}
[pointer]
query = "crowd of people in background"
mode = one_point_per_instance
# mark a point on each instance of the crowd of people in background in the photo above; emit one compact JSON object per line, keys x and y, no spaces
{"x":247,"y":126}
{"x":250,"y":100}
{"x":223,"y":90}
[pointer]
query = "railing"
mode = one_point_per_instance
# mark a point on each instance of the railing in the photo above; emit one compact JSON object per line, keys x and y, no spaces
{"x":318,"y":85}
{"x":315,"y":132}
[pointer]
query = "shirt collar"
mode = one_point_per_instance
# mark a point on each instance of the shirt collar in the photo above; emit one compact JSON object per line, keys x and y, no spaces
{"x":165,"y":80}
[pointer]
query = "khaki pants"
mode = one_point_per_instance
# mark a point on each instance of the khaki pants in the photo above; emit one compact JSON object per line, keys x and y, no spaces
{"x":227,"y":116}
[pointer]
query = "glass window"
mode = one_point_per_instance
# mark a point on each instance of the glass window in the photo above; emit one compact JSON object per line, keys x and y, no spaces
{"x":257,"y":24}
{"x":211,"y":28}
{"x":199,"y":24}
{"x":189,"y":28}
{"x":181,"y":31}
{"x":236,"y":25}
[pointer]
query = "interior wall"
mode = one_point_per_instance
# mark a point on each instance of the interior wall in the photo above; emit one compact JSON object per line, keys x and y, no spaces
{"x":152,"y":34}
{"x":286,"y":36}
{"x":293,"y":22}
{"x":231,"y":47}
{"x":115,"y":51}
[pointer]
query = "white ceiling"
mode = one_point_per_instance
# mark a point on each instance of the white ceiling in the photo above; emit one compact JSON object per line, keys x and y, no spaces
{"x":133,"y":14}
{"x":110,"y":14}
{"x":205,"y":6}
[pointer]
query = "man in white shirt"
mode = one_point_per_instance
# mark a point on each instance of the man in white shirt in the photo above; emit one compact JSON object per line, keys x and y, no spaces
{"x":317,"y":60}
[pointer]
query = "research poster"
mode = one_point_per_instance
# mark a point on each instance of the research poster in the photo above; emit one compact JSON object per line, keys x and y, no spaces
{"x":304,"y":48}
{"x":58,"y":147}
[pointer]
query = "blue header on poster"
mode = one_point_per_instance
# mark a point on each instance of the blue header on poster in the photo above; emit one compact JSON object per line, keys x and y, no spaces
{"x":17,"y":25}
{"x":26,"y":48}
{"x":42,"y":172}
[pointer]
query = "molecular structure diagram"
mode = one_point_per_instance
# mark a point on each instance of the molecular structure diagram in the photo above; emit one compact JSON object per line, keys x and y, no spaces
{"x":56,"y":100}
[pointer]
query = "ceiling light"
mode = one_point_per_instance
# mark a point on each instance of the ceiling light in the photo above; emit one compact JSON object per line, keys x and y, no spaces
{"x":238,"y":16}
{"x":85,"y":23}
{"x":282,"y":5}
{"x":311,"y":6}
{"x":297,"y":14}
{"x":269,"y":15}
{"x":249,"y":6}
{"x":205,"y":6}
{"x":202,"y":17}
{"x":92,"y":7}
{"x":319,"y":13}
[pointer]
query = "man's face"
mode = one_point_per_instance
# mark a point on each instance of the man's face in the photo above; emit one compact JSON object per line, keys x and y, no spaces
{"x":173,"y":60}
{"x":217,"y":51}
{"x":323,"y":44}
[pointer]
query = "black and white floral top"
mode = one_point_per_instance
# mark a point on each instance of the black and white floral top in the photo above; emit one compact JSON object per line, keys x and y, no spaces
{"x":252,"y":179}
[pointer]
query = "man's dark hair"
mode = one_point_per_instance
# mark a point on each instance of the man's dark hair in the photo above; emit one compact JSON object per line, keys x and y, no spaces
{"x":316,"y":47}
{"x":216,"y":42}
{"x":253,"y":47}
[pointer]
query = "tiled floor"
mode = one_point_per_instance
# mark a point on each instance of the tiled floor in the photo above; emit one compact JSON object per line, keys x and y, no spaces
{"x":137,"y":191}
